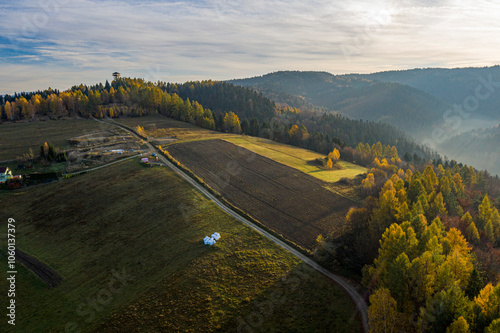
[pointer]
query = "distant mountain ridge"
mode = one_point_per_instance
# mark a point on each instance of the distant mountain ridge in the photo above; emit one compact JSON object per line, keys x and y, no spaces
{"x":355,"y":96}
{"x":480,"y":147}
{"x":451,"y":85}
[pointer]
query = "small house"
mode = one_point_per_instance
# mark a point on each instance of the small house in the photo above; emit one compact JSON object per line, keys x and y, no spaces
{"x":5,"y":173}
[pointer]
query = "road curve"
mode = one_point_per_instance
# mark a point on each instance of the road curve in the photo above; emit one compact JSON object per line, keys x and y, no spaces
{"x":351,"y":291}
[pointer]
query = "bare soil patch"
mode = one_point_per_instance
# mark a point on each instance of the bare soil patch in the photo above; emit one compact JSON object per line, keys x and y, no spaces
{"x":99,"y":148}
{"x":284,"y":199}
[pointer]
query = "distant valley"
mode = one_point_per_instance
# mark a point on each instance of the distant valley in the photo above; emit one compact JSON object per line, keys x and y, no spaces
{"x":435,"y":106}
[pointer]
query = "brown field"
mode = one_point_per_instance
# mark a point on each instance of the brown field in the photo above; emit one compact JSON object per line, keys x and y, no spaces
{"x":284,"y":199}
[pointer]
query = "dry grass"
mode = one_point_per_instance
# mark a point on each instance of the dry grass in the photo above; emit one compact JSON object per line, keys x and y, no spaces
{"x":165,"y":130}
{"x":297,"y":158}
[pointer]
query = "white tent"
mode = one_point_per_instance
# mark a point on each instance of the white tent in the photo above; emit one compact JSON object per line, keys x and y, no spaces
{"x":212,"y":239}
{"x":208,"y":241}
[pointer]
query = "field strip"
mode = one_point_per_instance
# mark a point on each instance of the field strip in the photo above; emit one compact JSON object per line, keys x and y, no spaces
{"x":252,"y":144}
{"x":103,"y":166}
{"x":47,"y":275}
{"x":351,"y":291}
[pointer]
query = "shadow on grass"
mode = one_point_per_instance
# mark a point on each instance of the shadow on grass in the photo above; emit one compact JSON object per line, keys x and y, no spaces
{"x":301,"y":301}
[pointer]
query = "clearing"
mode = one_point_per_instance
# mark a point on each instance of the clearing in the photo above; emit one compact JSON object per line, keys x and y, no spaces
{"x":284,"y":199}
{"x":163,"y":130}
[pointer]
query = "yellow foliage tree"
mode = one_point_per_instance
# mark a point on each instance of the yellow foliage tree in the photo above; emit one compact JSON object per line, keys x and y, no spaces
{"x":329,"y":164}
{"x":8,"y":110}
{"x":459,"y":326}
{"x":368,"y":182}
{"x":334,"y":155}
{"x":231,"y":123}
{"x":486,"y":299}
{"x":472,"y":233}
{"x":382,"y":314}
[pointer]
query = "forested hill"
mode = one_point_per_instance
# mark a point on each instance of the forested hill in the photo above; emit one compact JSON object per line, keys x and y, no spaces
{"x":409,"y":109}
{"x":224,"y":97}
{"x":477,"y":147}
{"x":248,"y":104}
{"x":209,"y":104}
{"x":450,"y":85}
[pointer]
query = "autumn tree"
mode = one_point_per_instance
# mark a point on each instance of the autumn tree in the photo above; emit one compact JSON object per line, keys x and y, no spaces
{"x":385,"y":213}
{"x":329,"y":164}
{"x":35,"y":105}
{"x":383,"y":315}
{"x":9,"y":110}
{"x":459,"y":326}
{"x":494,"y":327}
{"x":48,"y":152}
{"x":231,"y":123}
{"x":457,"y":179}
{"x":490,"y":231}
{"x":484,"y":212}
{"x":472,"y":233}
{"x":437,"y":206}
{"x":23,"y":104}
{"x":368,"y":183}
{"x":441,"y":312}
{"x":487,"y":300}
{"x":429,"y":178}
{"x":297,"y":134}
{"x":334,"y":155}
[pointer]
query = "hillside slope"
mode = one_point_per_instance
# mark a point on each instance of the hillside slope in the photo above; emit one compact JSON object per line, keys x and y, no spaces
{"x":408,"y":108}
{"x":450,"y":85}
{"x":148,"y":225}
{"x":479,"y":147}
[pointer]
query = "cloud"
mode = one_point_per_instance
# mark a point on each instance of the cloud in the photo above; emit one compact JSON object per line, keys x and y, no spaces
{"x":59,"y":43}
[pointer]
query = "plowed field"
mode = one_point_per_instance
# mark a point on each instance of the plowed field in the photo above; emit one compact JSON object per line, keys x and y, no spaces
{"x":282,"y":198}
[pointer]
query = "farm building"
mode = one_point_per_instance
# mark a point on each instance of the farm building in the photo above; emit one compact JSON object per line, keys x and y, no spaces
{"x":5,"y":173}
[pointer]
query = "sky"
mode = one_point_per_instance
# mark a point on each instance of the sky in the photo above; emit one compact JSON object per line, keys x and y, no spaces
{"x":61,"y":43}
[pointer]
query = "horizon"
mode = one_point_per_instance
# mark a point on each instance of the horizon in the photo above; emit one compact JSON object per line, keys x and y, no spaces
{"x":109,"y":79}
{"x":60,"y":43}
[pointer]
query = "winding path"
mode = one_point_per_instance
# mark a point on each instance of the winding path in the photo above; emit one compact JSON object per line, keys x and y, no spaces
{"x":357,"y":298}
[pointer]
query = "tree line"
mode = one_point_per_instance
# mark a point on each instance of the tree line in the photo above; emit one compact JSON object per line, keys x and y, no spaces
{"x":209,"y":104}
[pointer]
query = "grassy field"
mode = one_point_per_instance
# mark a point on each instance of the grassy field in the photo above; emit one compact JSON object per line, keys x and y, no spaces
{"x":147,"y":224}
{"x":17,"y":138}
{"x":288,"y":155}
{"x":159,"y":127}
{"x":296,"y":158}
